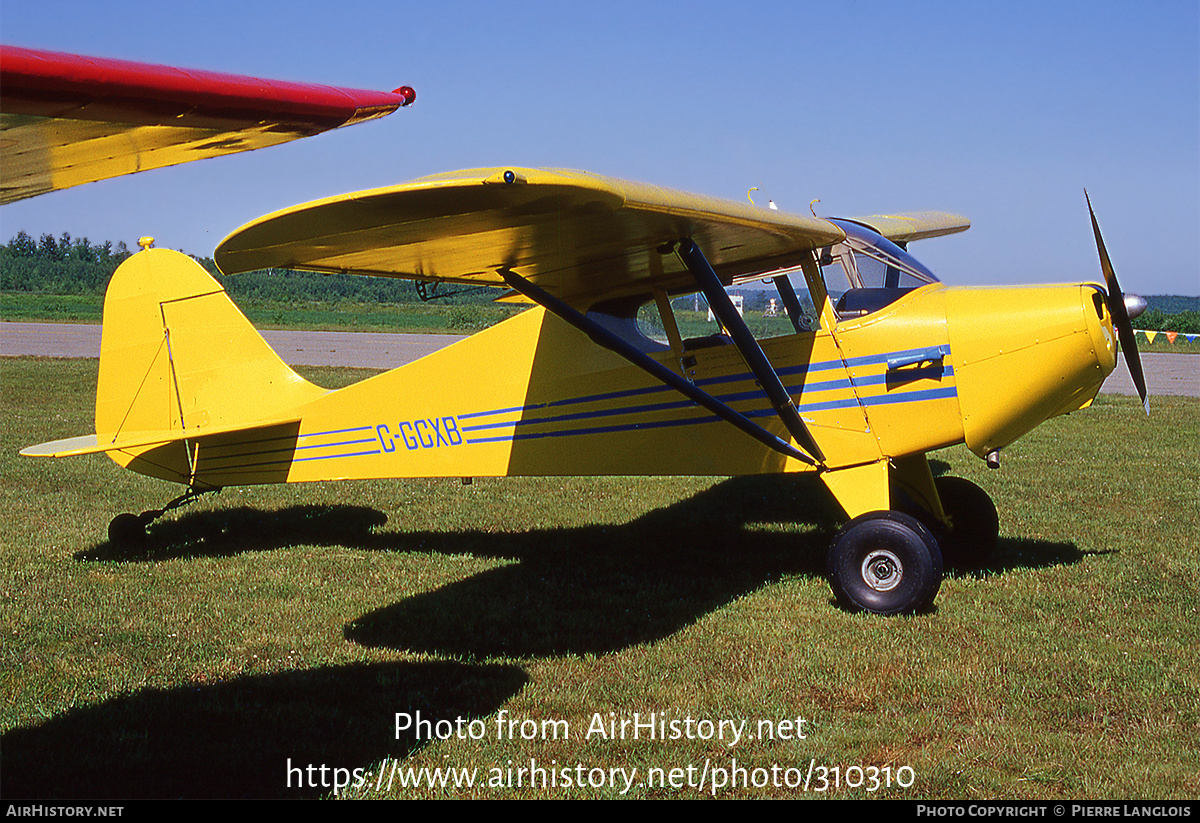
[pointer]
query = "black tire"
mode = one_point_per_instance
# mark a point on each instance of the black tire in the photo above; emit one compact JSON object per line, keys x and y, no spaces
{"x":126,"y":530}
{"x":974,"y":524}
{"x":885,"y":563}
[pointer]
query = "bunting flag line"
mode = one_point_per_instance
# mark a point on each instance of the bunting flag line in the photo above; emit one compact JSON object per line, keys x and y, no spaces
{"x":1171,"y":336}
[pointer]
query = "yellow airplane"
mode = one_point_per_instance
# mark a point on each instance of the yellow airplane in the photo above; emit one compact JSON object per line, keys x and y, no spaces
{"x":878,"y":364}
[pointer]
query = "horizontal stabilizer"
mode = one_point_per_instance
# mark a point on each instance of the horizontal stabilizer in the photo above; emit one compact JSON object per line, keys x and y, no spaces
{"x":69,"y":447}
{"x":215,"y":458}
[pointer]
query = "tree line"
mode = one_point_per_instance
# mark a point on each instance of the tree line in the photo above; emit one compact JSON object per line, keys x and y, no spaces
{"x":58,"y":265}
{"x":1156,"y":319}
{"x":67,"y":265}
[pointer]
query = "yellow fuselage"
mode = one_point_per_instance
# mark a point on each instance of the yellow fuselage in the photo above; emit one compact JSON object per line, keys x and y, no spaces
{"x":189,"y":392}
{"x":533,"y":396}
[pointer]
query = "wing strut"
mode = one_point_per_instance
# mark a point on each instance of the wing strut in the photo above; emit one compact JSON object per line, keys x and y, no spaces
{"x":609,"y":340}
{"x":753,"y":354}
{"x":791,"y":303}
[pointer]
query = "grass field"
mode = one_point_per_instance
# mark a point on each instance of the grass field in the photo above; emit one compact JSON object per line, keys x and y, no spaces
{"x":265,"y":633}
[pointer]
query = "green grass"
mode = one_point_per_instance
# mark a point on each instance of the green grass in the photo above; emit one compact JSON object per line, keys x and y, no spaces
{"x":264,"y":625}
{"x":52,"y":308}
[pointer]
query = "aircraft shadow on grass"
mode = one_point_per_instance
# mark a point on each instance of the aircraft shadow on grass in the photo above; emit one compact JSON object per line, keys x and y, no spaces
{"x":227,"y":532}
{"x":581,"y":590}
{"x":238,"y":738}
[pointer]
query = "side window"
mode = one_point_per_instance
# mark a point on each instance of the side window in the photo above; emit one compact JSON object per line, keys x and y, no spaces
{"x":807,"y":317}
{"x":760,"y":305}
{"x":691,"y":316}
{"x":766,"y":307}
{"x":697,"y":326}
{"x":621,"y":317}
{"x":837,"y":267}
{"x":650,"y":323}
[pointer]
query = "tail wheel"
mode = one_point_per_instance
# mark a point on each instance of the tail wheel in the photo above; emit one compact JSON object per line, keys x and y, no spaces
{"x":974,"y":524}
{"x":885,"y":563}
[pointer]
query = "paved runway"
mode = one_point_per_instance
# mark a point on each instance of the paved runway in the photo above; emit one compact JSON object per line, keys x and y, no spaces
{"x":1166,"y":374}
{"x":297,"y":348}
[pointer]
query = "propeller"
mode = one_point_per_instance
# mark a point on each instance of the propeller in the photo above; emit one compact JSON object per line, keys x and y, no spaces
{"x":1119,"y":313}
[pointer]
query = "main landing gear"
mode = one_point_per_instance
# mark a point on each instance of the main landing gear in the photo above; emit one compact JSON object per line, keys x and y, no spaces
{"x":885,"y":563}
{"x":130,"y":529}
{"x":891,"y":562}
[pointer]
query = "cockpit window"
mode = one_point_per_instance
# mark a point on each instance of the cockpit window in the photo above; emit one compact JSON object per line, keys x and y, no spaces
{"x":879,"y":263}
{"x":867,"y":271}
{"x":862,"y":274}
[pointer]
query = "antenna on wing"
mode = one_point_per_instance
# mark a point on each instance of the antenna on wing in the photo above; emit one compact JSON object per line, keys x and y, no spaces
{"x":813,"y":203}
{"x":770,"y":203}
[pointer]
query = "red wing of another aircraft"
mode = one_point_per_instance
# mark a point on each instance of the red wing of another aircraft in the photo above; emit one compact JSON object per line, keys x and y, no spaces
{"x":66,"y":119}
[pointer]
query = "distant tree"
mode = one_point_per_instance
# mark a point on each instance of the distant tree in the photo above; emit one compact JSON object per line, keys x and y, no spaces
{"x":48,"y":248}
{"x":81,"y":250}
{"x":1159,"y":320}
{"x":22,"y":245}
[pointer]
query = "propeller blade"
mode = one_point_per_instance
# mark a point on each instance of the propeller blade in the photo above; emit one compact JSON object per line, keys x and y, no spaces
{"x":1117,"y":310}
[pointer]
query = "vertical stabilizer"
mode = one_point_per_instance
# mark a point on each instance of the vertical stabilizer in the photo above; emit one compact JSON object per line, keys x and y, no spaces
{"x":177,"y":356}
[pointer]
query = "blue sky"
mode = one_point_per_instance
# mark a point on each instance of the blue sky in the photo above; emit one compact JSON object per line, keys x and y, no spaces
{"x":1003,"y":112}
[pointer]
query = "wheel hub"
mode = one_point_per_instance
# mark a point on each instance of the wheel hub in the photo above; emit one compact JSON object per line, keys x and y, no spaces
{"x":882,"y":570}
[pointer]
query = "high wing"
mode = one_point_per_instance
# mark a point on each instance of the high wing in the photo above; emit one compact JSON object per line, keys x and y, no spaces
{"x":903,"y":228}
{"x":66,"y":119}
{"x":582,"y":238}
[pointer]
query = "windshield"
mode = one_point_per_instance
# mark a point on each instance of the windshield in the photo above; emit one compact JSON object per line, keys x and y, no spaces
{"x":876,"y":262}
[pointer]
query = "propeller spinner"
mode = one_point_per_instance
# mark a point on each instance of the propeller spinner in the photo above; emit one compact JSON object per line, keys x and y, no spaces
{"x":1116,"y":301}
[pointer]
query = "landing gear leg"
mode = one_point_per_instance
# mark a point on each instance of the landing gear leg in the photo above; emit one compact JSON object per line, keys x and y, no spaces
{"x":959,"y":514}
{"x":130,"y":529}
